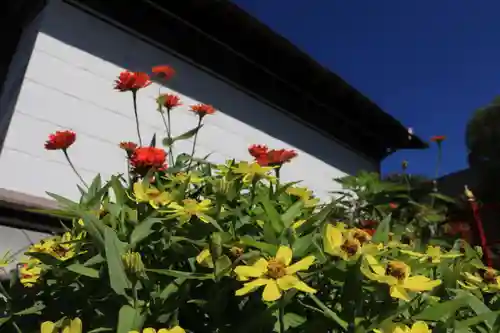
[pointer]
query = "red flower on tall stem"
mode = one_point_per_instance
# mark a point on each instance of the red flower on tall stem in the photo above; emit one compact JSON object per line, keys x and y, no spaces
{"x":169,"y":101}
{"x":272,"y":157}
{"x":163,"y":71}
{"x":203,"y":109}
{"x":438,"y":138}
{"x":144,"y":159}
{"x":128,"y":146}
{"x":60,"y":140}
{"x":132,"y":81}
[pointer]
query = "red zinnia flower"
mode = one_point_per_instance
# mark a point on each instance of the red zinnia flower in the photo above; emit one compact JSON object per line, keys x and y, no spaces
{"x":438,"y":138}
{"x":163,"y":71}
{"x":60,"y":140}
{"x":370,"y":232}
{"x":202,"y":109}
{"x":170,"y":101}
{"x":145,"y":158}
{"x":393,"y":205}
{"x":369,"y":223}
{"x":132,"y":81}
{"x":128,"y":146}
{"x":258,"y":150}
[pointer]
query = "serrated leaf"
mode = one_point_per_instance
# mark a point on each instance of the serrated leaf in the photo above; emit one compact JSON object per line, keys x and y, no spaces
{"x":181,"y":274}
{"x":82,"y":270}
{"x":114,"y":250}
{"x":187,"y":135}
{"x":382,"y":233}
{"x":129,"y":319}
{"x":292,"y":213}
{"x":143,"y":230}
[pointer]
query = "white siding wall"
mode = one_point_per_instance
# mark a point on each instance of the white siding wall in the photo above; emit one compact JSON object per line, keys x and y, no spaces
{"x":69,"y":85}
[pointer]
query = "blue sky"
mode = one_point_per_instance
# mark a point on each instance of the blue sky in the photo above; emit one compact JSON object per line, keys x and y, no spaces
{"x":428,"y":63}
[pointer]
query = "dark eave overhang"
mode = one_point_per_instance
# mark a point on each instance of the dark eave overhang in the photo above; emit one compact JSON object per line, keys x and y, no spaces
{"x":222,"y":37}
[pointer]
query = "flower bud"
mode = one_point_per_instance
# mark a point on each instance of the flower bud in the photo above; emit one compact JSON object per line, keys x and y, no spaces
{"x":133,"y":263}
{"x":404,"y":165}
{"x":469,"y":194}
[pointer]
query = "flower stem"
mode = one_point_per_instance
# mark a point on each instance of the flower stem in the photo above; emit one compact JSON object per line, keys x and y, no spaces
{"x":134,"y":97}
{"x":170,"y":148}
{"x":281,"y":316}
{"x":194,"y":142}
{"x":73,"y":167}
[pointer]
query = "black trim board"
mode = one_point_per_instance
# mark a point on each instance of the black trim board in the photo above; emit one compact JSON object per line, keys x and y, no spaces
{"x":243,"y":50}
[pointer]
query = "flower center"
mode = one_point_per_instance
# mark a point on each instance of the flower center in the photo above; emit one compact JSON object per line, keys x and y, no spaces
{"x":361,"y":236}
{"x":350,"y":246}
{"x":489,"y":276}
{"x":276,"y":269}
{"x":396,"y":269}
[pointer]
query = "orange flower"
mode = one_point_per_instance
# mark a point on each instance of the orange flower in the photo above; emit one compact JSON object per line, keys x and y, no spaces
{"x":145,"y":158}
{"x":163,"y":71}
{"x":169,"y":101}
{"x":132,"y":81}
{"x":258,"y":150}
{"x":128,"y":146}
{"x":438,"y":138}
{"x":203,"y":109}
{"x":60,"y":140}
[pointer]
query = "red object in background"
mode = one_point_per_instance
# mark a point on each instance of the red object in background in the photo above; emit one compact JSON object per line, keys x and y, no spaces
{"x":264,"y":157}
{"x":371,"y":232}
{"x":132,"y":81}
{"x":163,"y":71}
{"x":482,"y":234}
{"x":145,"y":158}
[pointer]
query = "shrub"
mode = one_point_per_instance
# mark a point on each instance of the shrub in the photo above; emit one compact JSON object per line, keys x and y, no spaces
{"x":188,"y":246}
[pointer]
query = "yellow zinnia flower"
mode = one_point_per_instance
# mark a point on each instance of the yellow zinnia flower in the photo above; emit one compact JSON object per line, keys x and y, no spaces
{"x":276,"y":274}
{"x":304,"y":194}
{"x":188,"y":209}
{"x":250,"y":171}
{"x":417,"y":327}
{"x":433,"y":254}
{"x":151,"y":195}
{"x":348,"y":244}
{"x":68,"y":326}
{"x":64,"y":249}
{"x":176,"y":329}
{"x":397,"y":275}
{"x":30,"y":272}
{"x":487,"y":279}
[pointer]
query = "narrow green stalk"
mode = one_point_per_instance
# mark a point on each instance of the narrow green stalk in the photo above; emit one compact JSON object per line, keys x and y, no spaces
{"x":281,"y":316}
{"x":169,"y":137}
{"x":170,"y":148}
{"x":194,"y":142}
{"x":438,"y":164}
{"x":73,"y":167}
{"x":134,"y":97}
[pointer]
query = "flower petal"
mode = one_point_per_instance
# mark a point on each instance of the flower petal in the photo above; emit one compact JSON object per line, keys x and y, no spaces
{"x":76,"y":326}
{"x":249,"y":271}
{"x":271,"y":291}
{"x":332,"y":240}
{"x":149,"y":330}
{"x":251,"y":286}
{"x":376,"y":267}
{"x":284,"y":255}
{"x":420,"y":327}
{"x":47,"y":327}
{"x":397,"y":291}
{"x":301,"y":265}
{"x":420,"y":283}
{"x":287,"y":282}
{"x":413,"y":254}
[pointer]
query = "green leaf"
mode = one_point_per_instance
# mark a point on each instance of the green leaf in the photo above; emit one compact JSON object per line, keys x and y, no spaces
{"x":187,"y":135}
{"x":268,"y":248}
{"x":441,"y":311}
{"x":82,"y":270}
{"x":222,"y":265}
{"x":328,"y":313}
{"x":484,"y":317}
{"x":63,"y":201}
{"x":94,"y":227}
{"x":3,"y":320}
{"x":143,"y":230}
{"x":172,"y":288}
{"x":272,"y":214}
{"x":302,"y":245}
{"x":382,"y":233}
{"x":129,"y":319}
{"x":35,"y":309}
{"x":114,"y":251}
{"x":478,"y":307}
{"x":181,"y":274}
{"x":292,"y":213}
{"x":153,"y":141}
{"x":97,"y":259}
{"x":290,"y":320}
{"x":118,"y":190}
{"x":212,"y":222}
{"x":443,"y":197}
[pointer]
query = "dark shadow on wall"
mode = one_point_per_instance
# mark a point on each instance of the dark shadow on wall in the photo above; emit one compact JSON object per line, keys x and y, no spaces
{"x":80,"y":35}
{"x":19,"y":23}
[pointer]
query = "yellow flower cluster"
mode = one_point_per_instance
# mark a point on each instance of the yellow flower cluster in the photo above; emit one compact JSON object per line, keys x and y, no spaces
{"x":60,"y":247}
